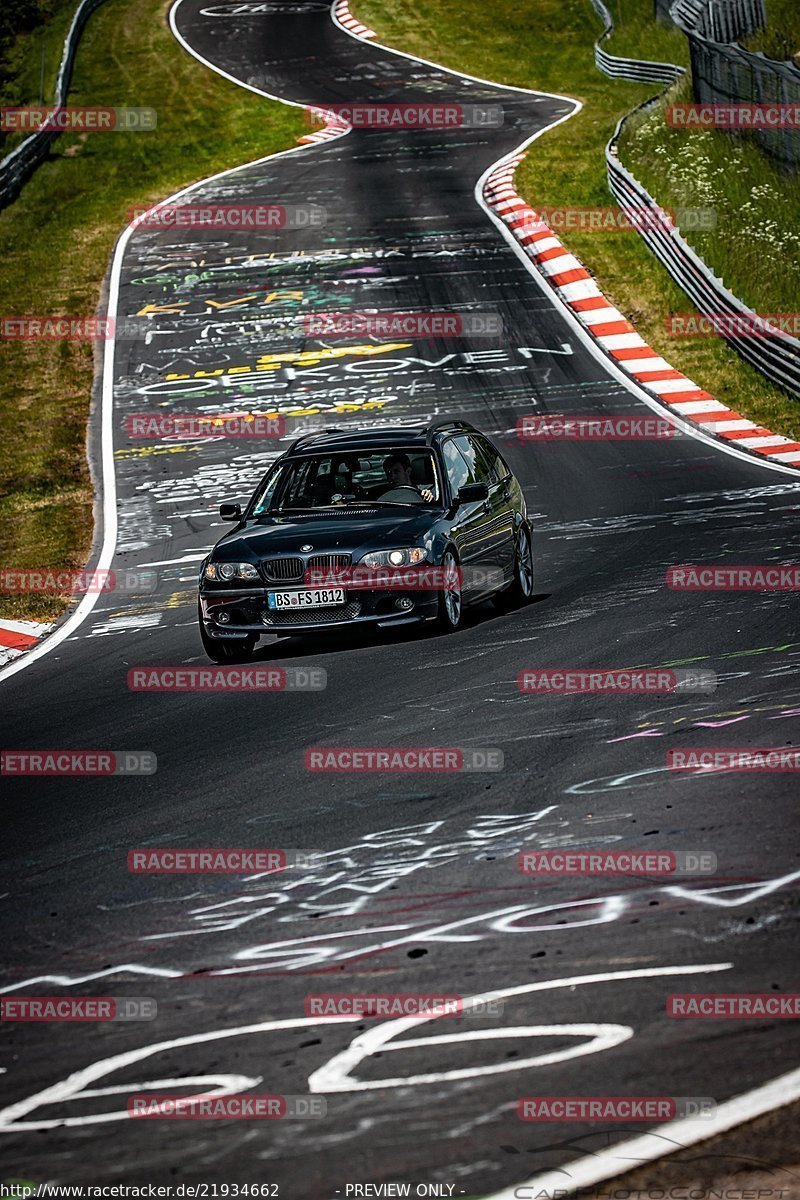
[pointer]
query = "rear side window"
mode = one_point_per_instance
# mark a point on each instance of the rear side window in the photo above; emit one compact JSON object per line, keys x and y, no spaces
{"x":478,"y":467}
{"x":459,"y":469}
{"x":495,"y":463}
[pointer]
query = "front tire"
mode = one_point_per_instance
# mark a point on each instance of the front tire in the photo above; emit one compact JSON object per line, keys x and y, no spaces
{"x":220,"y":651}
{"x":451,"y":601}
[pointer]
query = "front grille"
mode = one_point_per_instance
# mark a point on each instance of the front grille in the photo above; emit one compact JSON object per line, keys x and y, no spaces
{"x":314,"y":616}
{"x":328,"y":562}
{"x":283,"y":570}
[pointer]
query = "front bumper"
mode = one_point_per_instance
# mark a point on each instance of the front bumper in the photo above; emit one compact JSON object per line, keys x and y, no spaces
{"x":247,"y":611}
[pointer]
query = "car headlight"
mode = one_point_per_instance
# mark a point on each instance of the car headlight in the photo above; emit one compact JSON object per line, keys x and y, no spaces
{"x":396,"y":558}
{"x":229,"y":570}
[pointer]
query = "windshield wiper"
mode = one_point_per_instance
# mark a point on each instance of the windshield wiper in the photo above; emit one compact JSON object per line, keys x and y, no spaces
{"x":272,"y":512}
{"x":322,"y":508}
{"x":391,"y":503}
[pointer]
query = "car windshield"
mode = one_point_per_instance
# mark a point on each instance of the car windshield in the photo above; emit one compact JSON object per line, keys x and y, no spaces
{"x":385,"y":477}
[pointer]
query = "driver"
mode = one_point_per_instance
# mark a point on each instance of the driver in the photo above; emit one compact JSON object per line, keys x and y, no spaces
{"x":398,"y":473}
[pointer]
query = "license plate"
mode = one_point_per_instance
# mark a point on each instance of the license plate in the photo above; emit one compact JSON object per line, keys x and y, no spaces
{"x":314,"y":598}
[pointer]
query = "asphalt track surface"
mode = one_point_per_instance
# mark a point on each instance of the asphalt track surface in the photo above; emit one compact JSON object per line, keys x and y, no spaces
{"x":419,"y":890}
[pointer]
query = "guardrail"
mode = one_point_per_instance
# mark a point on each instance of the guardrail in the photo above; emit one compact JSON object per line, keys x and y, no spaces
{"x":777,"y":356}
{"x":635,"y":70}
{"x":723,"y":72}
{"x":719,"y":20}
{"x":23,"y":160}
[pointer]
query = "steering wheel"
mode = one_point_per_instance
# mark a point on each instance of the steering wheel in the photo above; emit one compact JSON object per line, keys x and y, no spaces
{"x":401,"y":494}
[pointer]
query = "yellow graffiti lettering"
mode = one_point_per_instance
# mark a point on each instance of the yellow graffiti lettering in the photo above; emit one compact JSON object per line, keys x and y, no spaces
{"x":166,"y":308}
{"x":180,"y":600}
{"x":285,"y":295}
{"x":146,"y":451}
{"x":305,"y":358}
{"x":230,"y":303}
{"x":329,"y":352}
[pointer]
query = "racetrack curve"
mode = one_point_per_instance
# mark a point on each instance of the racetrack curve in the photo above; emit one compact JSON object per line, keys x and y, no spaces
{"x":437,"y":905}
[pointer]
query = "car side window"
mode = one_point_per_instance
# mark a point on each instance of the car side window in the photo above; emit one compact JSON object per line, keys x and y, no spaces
{"x":297,"y":494}
{"x":478,"y":467}
{"x":267,"y":490}
{"x":457,"y":466}
{"x":495,"y":464}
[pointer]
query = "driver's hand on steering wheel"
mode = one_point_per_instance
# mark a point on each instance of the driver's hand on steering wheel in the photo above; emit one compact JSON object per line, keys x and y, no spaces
{"x":426,"y":494}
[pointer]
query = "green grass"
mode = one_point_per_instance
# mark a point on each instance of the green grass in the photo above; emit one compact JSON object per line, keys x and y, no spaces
{"x":22,"y":36}
{"x":755,"y":247}
{"x":547,"y":44}
{"x":637,"y":35}
{"x":21,"y":75}
{"x":781,"y":38}
{"x":55,"y":243}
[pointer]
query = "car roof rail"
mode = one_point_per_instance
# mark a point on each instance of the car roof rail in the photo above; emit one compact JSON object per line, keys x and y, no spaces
{"x":307,"y":437}
{"x":438,"y":426}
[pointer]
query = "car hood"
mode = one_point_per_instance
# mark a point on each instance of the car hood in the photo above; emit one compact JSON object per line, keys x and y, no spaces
{"x":343,"y":533}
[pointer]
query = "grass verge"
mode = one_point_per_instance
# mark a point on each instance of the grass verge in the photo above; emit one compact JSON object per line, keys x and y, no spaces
{"x":55,"y":242}
{"x":755,"y":247}
{"x":549,"y":46}
{"x":781,"y":38}
{"x":637,"y":35}
{"x":31,"y":43}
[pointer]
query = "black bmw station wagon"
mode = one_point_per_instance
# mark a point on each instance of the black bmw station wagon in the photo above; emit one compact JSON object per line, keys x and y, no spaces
{"x":382,"y":527}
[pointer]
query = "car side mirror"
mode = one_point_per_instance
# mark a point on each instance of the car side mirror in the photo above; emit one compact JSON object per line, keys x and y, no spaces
{"x":230,"y":512}
{"x":472,"y":492}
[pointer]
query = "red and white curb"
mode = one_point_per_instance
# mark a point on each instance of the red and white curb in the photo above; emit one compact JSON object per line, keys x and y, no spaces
{"x":18,"y":636}
{"x":614,"y":334}
{"x":334,"y":126}
{"x":342,"y":13}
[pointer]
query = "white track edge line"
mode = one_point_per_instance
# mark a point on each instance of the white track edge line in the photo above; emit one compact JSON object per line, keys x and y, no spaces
{"x":589,"y":342}
{"x":625,"y":1157}
{"x":784,"y":1088}
{"x":108,"y":475}
{"x":107,"y":471}
{"x":505,"y":87}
